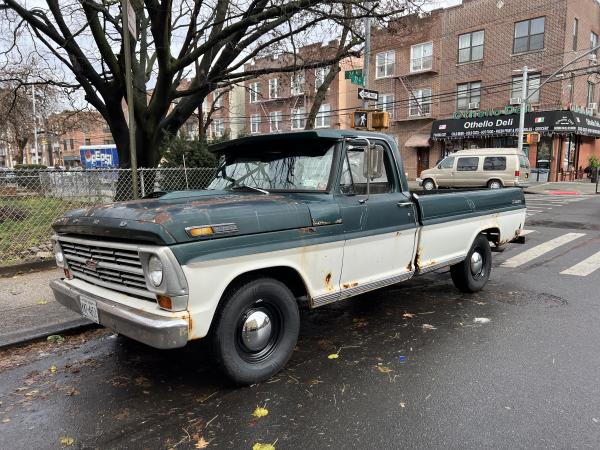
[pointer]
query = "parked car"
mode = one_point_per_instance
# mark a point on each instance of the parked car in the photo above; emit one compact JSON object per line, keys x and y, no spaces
{"x":314,"y":216}
{"x":491,"y":167}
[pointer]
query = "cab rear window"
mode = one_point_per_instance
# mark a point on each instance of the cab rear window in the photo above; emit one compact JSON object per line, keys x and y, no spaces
{"x":494,"y":163}
{"x":467,"y":164}
{"x":523,"y":162}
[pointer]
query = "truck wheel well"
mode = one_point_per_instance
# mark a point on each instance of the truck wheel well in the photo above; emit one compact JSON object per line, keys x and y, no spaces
{"x":288,"y":276}
{"x":492,"y":235}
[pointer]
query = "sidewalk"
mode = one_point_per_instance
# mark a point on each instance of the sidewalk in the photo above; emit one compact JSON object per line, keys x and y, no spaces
{"x":563,"y":187}
{"x":28,"y":309}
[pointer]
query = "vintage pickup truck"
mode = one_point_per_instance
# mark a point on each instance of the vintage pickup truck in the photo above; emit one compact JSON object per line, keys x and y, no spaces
{"x":314,"y":216}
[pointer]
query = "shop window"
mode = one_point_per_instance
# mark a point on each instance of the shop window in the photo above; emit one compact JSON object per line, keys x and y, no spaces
{"x":529,"y":35}
{"x":470,"y":46}
{"x":468,"y":164}
{"x":494,"y":163}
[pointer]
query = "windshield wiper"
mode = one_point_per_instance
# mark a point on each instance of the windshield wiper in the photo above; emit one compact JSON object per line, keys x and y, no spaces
{"x":245,"y":186}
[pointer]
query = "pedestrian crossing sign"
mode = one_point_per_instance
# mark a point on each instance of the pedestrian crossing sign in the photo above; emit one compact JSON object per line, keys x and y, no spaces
{"x":360,"y":119}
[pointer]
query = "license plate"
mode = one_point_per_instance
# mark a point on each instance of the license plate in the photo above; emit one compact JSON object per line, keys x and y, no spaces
{"x":89,"y":309}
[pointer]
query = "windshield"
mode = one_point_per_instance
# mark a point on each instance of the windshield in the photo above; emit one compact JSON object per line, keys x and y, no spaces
{"x":286,"y":170}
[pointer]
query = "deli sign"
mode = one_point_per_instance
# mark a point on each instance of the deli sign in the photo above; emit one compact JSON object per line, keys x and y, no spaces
{"x":490,"y":112}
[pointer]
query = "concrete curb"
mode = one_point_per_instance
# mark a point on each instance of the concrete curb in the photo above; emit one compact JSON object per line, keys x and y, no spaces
{"x":26,"y":267}
{"x":27,"y":336}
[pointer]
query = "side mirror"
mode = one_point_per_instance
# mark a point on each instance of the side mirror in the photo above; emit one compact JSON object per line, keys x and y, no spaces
{"x":373,"y":162}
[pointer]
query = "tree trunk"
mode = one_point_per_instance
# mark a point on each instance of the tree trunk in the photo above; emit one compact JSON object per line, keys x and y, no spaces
{"x":320,"y":96}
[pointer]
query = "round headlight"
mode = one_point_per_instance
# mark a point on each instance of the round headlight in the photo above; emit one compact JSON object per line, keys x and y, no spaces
{"x":58,"y":255}
{"x":155,"y":270}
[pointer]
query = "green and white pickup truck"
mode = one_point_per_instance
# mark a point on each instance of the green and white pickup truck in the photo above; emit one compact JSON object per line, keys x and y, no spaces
{"x":314,"y":216}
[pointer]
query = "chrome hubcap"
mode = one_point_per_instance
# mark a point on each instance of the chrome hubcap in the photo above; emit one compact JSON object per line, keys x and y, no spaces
{"x":256,"y":330}
{"x":476,"y":263}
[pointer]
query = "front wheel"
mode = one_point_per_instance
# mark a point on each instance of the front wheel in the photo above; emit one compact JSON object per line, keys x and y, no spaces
{"x":255,"y":330}
{"x":472,"y":274}
{"x":428,"y":184}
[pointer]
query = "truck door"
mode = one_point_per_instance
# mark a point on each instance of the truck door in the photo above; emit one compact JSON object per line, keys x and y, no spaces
{"x":379,"y":226}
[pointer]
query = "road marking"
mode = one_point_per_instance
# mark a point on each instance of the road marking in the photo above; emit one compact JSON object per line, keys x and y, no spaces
{"x":539,"y":250}
{"x":526,"y":232}
{"x":585,"y":267}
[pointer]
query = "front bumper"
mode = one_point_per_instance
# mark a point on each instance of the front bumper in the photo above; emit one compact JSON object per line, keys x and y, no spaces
{"x":151,"y":329}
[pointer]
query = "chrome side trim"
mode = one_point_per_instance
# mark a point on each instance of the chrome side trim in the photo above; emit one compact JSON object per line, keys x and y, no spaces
{"x":156,"y":331}
{"x":439,"y":265}
{"x":357,"y":290}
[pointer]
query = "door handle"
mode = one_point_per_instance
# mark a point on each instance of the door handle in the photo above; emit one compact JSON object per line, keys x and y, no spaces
{"x":404,"y":204}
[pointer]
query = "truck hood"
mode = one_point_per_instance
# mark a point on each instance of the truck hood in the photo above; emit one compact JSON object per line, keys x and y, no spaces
{"x":164,"y":219}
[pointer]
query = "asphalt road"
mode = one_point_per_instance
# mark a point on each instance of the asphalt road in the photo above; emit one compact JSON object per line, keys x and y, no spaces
{"x":415,"y":369}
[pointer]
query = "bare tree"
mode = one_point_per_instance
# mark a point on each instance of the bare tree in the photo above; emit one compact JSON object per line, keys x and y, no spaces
{"x":173,"y":39}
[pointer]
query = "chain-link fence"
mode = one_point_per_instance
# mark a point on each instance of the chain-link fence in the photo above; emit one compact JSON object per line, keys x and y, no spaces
{"x":31,"y":200}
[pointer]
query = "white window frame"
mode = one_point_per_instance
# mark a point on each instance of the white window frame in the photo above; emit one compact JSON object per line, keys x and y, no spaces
{"x":323,"y":118}
{"x":320,"y":74}
{"x":275,"y":118}
{"x":296,"y":87}
{"x":255,"y":121}
{"x":254,"y":92}
{"x":470,"y":47}
{"x":533,"y":81}
{"x":217,"y":99}
{"x":425,"y":62}
{"x":389,"y":64}
{"x":298,"y":119}
{"x":413,"y":105}
{"x":470,"y":94}
{"x":385,"y":103}
{"x":218,"y":126}
{"x":273,"y":88}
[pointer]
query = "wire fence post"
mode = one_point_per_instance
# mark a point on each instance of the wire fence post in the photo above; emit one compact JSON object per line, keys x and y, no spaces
{"x":143,"y":186}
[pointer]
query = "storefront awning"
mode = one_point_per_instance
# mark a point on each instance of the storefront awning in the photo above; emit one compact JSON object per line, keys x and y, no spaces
{"x":418,"y":140}
{"x":544,"y":122}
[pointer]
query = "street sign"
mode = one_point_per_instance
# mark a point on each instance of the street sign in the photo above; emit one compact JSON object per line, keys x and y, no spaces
{"x":355,"y":76}
{"x":360,"y":119}
{"x":367,"y":94}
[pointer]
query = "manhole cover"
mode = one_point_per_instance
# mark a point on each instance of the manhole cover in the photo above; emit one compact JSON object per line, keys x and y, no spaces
{"x":529,"y":298}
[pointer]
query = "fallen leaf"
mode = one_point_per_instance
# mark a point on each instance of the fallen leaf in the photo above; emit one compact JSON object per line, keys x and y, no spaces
{"x":408,"y":315}
{"x":55,"y":338}
{"x":5,"y":420}
{"x":384,"y":369}
{"x":72,"y":392}
{"x":260,"y":412}
{"x":31,"y":393}
{"x":334,"y":356}
{"x":53,"y":369}
{"x":143,"y":382}
{"x":67,"y":441}
{"x":480,"y":303}
{"x":201,"y":442}
{"x":402,"y":405}
{"x":42,"y":302}
{"x":481,"y":320}
{"x":259,"y":446}
{"x":426,"y":326}
{"x":314,"y":381}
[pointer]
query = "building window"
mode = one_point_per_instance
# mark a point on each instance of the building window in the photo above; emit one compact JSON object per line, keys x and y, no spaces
{"x":470,"y":46}
{"x":591,"y":93}
{"x":65,"y":145}
{"x":420,"y":103}
{"x":108,"y":141}
{"x":320,"y":73}
{"x":275,"y":121}
{"x":533,"y":83}
{"x":217,"y":99}
{"x":323,"y":119}
{"x":298,"y":119}
{"x":255,"y":123}
{"x":529,"y":35}
{"x":594,"y":41}
{"x":71,"y":144}
{"x":254,"y":92}
{"x":385,"y":103}
{"x":384,"y":64}
{"x":575,"y":31}
{"x":297,"y":83}
{"x":421,"y":57}
{"x":274,"y":88}
{"x":467,"y":94}
{"x":87,"y":141}
{"x":218,"y":128}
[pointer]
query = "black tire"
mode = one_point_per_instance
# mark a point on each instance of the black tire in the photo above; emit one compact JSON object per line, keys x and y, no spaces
{"x":428,"y":184}
{"x":467,"y":280}
{"x":264,"y":296}
{"x":494,"y":184}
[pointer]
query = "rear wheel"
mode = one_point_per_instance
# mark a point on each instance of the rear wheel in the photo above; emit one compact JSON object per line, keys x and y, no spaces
{"x":494,"y":184}
{"x":255,"y":330}
{"x":428,"y":184}
{"x":472,"y":274}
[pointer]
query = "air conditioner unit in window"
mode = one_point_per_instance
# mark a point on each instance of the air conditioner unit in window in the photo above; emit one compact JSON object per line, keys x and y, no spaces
{"x":592,"y":106}
{"x":474,"y":105}
{"x":593,"y":58}
{"x":515,"y":100}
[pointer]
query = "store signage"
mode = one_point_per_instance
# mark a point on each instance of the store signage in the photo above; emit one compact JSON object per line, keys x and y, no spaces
{"x":490,"y":112}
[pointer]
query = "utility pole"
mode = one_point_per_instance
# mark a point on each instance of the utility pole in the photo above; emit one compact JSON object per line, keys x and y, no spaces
{"x":127,"y":28}
{"x":367,"y":58}
{"x":524,"y":98}
{"x":35,"y":135}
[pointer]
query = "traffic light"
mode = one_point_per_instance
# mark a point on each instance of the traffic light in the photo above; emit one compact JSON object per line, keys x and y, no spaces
{"x":363,"y":119}
{"x":380,"y":120}
{"x":531,"y":138}
{"x":360,"y":119}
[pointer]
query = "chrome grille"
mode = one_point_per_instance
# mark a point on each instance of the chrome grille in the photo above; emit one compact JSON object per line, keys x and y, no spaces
{"x":111,"y":267}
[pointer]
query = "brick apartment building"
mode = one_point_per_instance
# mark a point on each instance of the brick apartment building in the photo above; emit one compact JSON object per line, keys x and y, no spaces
{"x":281,"y":102}
{"x":434,"y":70}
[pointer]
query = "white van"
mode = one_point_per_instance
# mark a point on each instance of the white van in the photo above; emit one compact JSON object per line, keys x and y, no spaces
{"x":480,"y":167}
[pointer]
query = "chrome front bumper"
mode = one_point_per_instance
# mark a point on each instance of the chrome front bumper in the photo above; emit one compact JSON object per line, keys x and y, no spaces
{"x":151,"y":329}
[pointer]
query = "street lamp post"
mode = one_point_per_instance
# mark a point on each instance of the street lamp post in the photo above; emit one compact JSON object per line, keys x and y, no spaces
{"x":524,"y":98}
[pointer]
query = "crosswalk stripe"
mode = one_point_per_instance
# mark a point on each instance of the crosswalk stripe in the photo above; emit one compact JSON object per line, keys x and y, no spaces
{"x":526,"y":232}
{"x":584,"y":267}
{"x":539,"y":250}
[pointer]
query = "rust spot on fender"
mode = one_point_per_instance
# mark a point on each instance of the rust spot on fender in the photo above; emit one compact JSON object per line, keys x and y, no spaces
{"x":350,"y":284}
{"x":162,"y":218}
{"x":307,"y":230}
